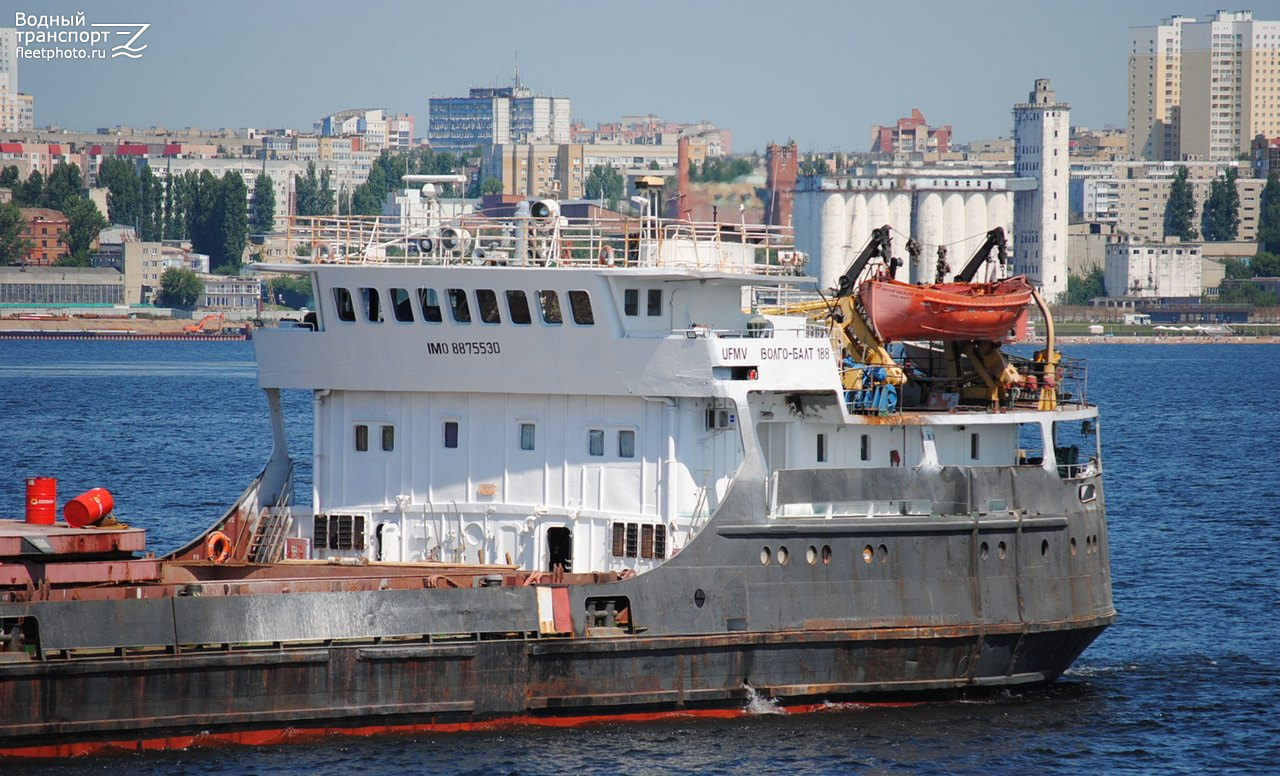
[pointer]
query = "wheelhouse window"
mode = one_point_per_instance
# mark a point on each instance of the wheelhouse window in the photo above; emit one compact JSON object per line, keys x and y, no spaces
{"x":362,"y":437}
{"x":372,"y":301}
{"x":451,"y":434}
{"x":631,"y":301}
{"x":401,"y":305}
{"x":430,"y":301}
{"x":655,"y":301}
{"x":458,"y":305}
{"x":487,"y":300}
{"x":518,"y":308}
{"x":388,"y":438}
{"x":626,"y":443}
{"x":595,"y":441}
{"x":549,"y":301}
{"x":527,"y":436}
{"x":342,"y":299}
{"x":580,"y":306}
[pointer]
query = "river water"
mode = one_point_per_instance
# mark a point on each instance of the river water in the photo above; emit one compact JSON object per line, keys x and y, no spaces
{"x":1187,"y":680}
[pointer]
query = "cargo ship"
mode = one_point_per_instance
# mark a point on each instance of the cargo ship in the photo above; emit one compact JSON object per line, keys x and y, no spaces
{"x":571,"y":469}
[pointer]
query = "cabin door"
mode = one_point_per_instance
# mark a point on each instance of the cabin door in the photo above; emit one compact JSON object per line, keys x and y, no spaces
{"x":559,"y":549}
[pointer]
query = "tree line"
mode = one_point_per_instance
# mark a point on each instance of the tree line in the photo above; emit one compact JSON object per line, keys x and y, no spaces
{"x":1219,"y":220}
{"x":63,"y":191}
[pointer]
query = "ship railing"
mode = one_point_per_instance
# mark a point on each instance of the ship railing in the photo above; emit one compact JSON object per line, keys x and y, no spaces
{"x":699,"y":331}
{"x":525,"y":241}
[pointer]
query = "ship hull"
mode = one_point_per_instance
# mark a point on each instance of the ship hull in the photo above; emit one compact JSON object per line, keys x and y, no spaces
{"x":947,"y":311}
{"x":262,"y":696}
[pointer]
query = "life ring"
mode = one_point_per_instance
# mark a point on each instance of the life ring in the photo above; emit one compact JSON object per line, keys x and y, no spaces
{"x":218,"y":547}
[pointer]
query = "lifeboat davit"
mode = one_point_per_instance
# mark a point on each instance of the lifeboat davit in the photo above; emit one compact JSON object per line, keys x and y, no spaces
{"x":994,"y":311}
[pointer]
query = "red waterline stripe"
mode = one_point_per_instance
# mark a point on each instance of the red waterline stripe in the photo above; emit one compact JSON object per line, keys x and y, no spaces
{"x":301,"y":735}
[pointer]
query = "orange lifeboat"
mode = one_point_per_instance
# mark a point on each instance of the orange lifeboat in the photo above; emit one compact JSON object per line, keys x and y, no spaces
{"x":994,"y":311}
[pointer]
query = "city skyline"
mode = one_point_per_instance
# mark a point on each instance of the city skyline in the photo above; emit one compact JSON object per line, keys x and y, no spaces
{"x":822,"y":76}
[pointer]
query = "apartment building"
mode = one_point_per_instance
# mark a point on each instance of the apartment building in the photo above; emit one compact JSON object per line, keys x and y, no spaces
{"x":1202,"y":90}
{"x":1143,"y":192}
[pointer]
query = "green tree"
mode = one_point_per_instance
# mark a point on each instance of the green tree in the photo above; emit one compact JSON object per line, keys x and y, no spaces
{"x":1265,"y":265}
{"x":150,"y":217}
{"x":324,"y":195}
{"x":9,"y":177}
{"x":1268,"y":215}
{"x":1082,"y":289}
{"x":1237,"y":269}
{"x":13,"y":245}
{"x":1241,"y":292}
{"x":264,"y":204}
{"x":120,"y":179}
{"x":31,"y":193}
{"x":84,"y":224}
{"x":307,"y":201}
{"x":1180,"y":211}
{"x":179,"y":287}
{"x":1221,"y":219}
{"x":604,"y":182}
{"x":64,"y":182}
{"x":490,"y":186}
{"x":233,"y":221}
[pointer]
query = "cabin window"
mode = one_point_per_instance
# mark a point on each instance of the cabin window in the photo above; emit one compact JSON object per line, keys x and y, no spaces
{"x":973,"y":446}
{"x":633,"y":539}
{"x":595,"y":441}
{"x":646,"y":541}
{"x":631,"y":301}
{"x":580,"y":306}
{"x":458,"y":305}
{"x":488,"y":302}
{"x":549,"y":301}
{"x":362,"y":437}
{"x":626,"y":444}
{"x":659,"y":541}
{"x":451,"y":434}
{"x":430,"y":302}
{"x":619,"y":542}
{"x":822,"y":448}
{"x":865,"y":452}
{"x":372,"y":304}
{"x":655,"y":301}
{"x":401,"y":304}
{"x":342,"y":299}
{"x":388,"y":438}
{"x":518,"y":307}
{"x":338,"y":532}
{"x":527,"y":436}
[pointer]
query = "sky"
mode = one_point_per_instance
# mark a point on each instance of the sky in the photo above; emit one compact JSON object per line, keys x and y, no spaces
{"x":819,"y":72}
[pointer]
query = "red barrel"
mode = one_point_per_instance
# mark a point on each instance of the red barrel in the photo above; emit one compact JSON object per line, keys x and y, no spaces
{"x":88,"y":508}
{"x":42,"y":500}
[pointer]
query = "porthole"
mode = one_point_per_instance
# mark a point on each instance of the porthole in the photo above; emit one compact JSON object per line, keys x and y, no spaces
{"x":784,"y":557}
{"x":765,"y":556}
{"x":868,"y":554}
{"x":699,"y":598}
{"x":1001,"y":550}
{"x":1073,"y":546}
{"x":983,"y":550}
{"x":811,"y":555}
{"x":1044,"y":547}
{"x":826,"y":554}
{"x":882,"y":552}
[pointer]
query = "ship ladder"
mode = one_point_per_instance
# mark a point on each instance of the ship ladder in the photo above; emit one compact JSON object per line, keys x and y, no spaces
{"x":269,"y":535}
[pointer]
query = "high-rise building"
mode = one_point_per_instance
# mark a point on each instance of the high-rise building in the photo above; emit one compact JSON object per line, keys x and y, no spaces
{"x":1155,"y":85}
{"x":1041,"y":133}
{"x":17,"y":111}
{"x":497,"y":116}
{"x":1202,"y":90}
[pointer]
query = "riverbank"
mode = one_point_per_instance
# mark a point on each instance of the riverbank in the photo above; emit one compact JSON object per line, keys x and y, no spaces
{"x":1142,"y":339}
{"x":166,"y":329}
